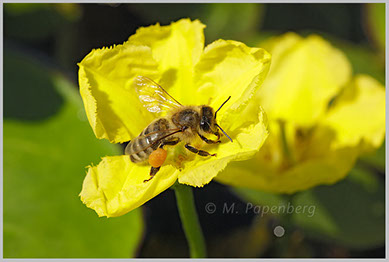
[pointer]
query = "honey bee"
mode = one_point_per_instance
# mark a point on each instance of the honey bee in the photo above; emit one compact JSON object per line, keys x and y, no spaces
{"x":182,"y":123}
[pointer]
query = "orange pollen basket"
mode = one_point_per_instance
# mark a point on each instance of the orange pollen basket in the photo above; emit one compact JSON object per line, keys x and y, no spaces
{"x":157,"y":157}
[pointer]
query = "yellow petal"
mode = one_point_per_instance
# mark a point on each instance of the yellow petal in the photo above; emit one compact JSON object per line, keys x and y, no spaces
{"x":358,"y":114}
{"x":247,"y":141}
{"x":230,"y":68}
{"x":115,"y":186}
{"x":176,"y":48}
{"x":112,"y":105}
{"x":311,"y":161}
{"x":322,"y":170}
{"x":306,"y":73}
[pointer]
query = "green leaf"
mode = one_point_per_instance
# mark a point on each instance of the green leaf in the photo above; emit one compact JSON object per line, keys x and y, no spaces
{"x":349,"y":213}
{"x":232,"y":20}
{"x":29,"y":92}
{"x":375,"y":23}
{"x":44,"y":167}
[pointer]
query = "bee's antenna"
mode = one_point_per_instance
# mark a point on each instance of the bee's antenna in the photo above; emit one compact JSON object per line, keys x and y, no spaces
{"x":217,"y":124}
{"x":223,"y":130}
{"x":221,"y":107}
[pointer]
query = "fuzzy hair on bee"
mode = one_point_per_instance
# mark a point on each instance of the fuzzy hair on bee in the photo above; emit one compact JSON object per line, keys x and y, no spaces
{"x":181,"y":124}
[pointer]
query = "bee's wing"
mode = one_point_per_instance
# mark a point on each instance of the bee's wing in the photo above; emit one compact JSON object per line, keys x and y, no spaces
{"x":153,"y":96}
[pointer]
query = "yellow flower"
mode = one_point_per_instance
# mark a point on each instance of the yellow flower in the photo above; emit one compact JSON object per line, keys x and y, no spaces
{"x":320,"y":118}
{"x":173,"y":56}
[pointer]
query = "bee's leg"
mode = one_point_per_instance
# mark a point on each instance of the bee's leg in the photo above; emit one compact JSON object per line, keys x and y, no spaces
{"x":169,"y":143}
{"x":208,"y":141}
{"x":153,"y":171}
{"x":198,"y":151}
{"x":217,"y":134}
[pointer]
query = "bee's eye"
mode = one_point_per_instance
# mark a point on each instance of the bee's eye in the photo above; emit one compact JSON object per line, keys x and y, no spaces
{"x":206,"y":118}
{"x":204,"y":124}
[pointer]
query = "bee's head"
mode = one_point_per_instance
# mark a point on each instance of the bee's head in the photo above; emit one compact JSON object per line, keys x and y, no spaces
{"x":208,"y":121}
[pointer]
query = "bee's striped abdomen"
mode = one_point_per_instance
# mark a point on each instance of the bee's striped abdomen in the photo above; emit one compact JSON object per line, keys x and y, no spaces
{"x":149,"y":140}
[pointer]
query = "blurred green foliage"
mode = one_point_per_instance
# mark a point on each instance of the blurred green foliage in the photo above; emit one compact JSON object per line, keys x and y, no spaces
{"x":376,"y":159}
{"x":44,"y":166}
{"x":350,"y":213}
{"x":39,"y":20}
{"x":375,"y":23}
{"x":227,"y":22}
{"x":24,"y":95}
